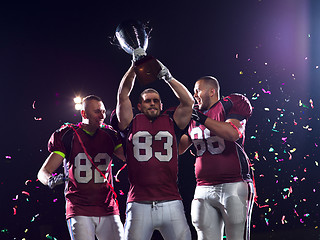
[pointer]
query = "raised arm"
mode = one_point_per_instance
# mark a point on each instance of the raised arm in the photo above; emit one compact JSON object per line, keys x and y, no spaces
{"x":124,"y":105}
{"x":182,"y":114}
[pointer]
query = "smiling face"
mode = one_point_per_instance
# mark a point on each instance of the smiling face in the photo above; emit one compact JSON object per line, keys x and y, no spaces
{"x":205,"y":94}
{"x":150,"y":105}
{"x":93,"y":114}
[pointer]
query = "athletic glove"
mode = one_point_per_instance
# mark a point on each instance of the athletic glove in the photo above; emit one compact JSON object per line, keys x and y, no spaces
{"x":138,"y":53}
{"x":198,"y":116}
{"x":56,"y":180}
{"x":164,"y":73}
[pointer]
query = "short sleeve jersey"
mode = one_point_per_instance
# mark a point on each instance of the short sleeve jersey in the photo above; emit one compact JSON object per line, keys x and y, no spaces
{"x":220,"y":161}
{"x":152,"y":158}
{"x":86,"y":192}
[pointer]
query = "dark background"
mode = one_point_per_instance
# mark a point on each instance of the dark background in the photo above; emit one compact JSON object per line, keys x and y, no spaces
{"x":267,"y":50}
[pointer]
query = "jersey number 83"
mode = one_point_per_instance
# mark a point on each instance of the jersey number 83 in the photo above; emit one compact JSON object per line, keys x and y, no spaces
{"x":143,"y":142}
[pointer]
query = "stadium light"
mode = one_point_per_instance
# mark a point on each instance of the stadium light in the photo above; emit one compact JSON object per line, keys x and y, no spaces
{"x":78,"y":103}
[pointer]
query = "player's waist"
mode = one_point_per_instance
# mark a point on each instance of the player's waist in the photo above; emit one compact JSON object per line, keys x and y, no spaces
{"x":153,"y":202}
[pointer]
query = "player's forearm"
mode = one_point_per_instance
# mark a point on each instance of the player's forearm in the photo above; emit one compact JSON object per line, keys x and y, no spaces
{"x":222,"y":129}
{"x":124,"y":105}
{"x":182,"y":114}
{"x":126,"y":85}
{"x":124,"y":114}
{"x":182,"y":93}
{"x":49,"y":166}
{"x":43,"y":176}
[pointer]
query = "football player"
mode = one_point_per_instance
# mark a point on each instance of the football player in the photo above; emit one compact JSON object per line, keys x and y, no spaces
{"x":151,"y":140}
{"x":86,"y":150}
{"x":224,"y":194}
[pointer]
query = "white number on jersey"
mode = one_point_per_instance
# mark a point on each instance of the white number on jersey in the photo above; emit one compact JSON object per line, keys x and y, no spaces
{"x":83,"y":167}
{"x":142,"y":146}
{"x":203,"y":141}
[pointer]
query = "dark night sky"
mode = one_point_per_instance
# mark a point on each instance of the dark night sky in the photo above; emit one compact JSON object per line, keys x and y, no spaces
{"x":267,"y":50}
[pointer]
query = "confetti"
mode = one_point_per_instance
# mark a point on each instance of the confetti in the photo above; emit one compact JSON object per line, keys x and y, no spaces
{"x":283,"y":127}
{"x":266,"y":91}
{"x":48,"y":236}
{"x":26,"y":193}
{"x":116,"y":176}
{"x":34,"y":218}
{"x":311,"y":103}
{"x":28,"y":181}
{"x":14,"y":211}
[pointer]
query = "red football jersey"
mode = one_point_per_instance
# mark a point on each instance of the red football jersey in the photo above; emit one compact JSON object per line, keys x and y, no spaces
{"x":86,"y":192}
{"x":152,"y":157}
{"x":220,"y":161}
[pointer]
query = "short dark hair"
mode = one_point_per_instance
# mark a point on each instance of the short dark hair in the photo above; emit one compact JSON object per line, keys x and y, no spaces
{"x":148,"y":90}
{"x":88,"y":98}
{"x":212,"y":81}
{"x":91,"y":97}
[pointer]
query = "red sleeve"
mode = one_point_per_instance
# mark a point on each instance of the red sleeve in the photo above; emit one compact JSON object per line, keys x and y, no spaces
{"x":55,"y":142}
{"x":241,"y":107}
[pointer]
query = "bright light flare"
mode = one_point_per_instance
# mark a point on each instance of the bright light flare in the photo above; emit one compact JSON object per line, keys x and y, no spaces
{"x":78,"y":103}
{"x":77,"y":100}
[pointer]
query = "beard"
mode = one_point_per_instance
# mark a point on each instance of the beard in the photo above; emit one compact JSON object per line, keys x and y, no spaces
{"x":152,"y":114}
{"x":204,"y":103}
